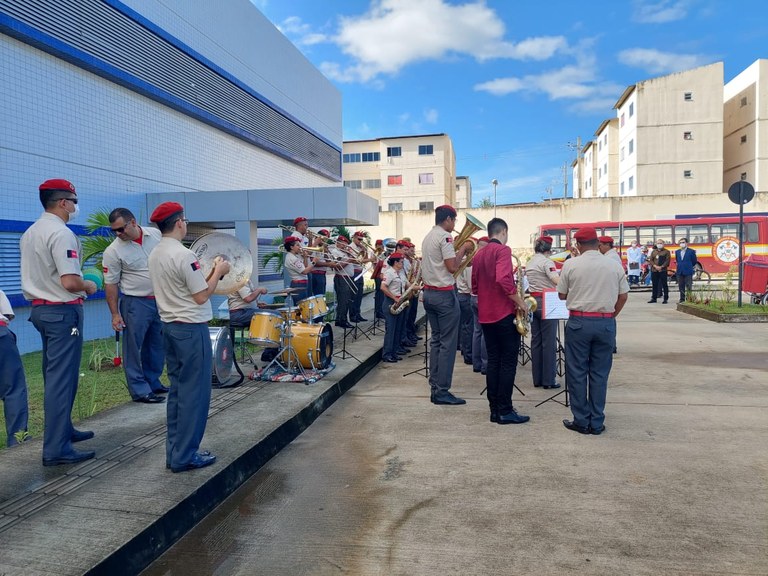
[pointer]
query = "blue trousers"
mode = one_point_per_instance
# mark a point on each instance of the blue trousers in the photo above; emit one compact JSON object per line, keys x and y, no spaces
{"x":443,"y":314}
{"x":189,"y":357}
{"x":143,"y":355}
{"x":317,"y":284}
{"x":466,"y":326}
{"x":13,"y":386}
{"x":543,"y":348}
{"x":410,"y":321}
{"x":342,"y":287}
{"x":357,"y":299}
{"x":394,"y":328}
{"x":378,"y":298}
{"x":61,"y":329}
{"x":589,"y":344}
{"x":479,"y":350}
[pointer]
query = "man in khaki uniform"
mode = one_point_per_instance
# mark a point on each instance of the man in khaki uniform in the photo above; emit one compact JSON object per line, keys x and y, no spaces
{"x":126,"y":266}
{"x":51,"y":279}
{"x":595,"y":290}
{"x":182,"y":294}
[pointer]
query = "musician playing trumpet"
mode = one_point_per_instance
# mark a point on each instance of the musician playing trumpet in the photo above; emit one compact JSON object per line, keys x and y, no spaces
{"x":298,"y":264}
{"x":411,"y":266}
{"x":393,"y":286}
{"x":360,"y":249}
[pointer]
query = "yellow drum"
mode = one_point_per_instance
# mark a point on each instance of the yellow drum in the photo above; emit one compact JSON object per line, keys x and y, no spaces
{"x":291,"y":313}
{"x":313,"y":344}
{"x":313,"y":308}
{"x":266,"y":329}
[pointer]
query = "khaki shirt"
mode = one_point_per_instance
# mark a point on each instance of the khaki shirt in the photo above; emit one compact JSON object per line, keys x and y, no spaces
{"x":593,"y":283}
{"x":541,"y":273}
{"x":395,"y":281}
{"x":347,"y":269}
{"x":235,"y":300}
{"x":435,"y":249}
{"x":294,"y":263}
{"x":176,"y":275}
{"x":127,"y":263}
{"x":464,"y":281}
{"x":6,"y":312}
{"x":49,"y":250}
{"x":614,"y":256}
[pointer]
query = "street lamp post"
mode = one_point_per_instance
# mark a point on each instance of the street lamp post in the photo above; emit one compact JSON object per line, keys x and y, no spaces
{"x":495,"y":183}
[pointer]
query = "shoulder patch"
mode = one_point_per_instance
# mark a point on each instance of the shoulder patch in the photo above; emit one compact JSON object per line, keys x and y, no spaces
{"x":71,"y":253}
{"x":195,"y":265}
{"x":449,"y":239}
{"x":105,"y":270}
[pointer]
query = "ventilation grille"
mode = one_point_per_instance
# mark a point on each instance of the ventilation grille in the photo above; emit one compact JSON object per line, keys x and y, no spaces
{"x":148,"y":63}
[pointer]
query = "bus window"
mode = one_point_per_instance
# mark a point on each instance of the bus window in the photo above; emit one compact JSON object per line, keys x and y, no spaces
{"x":630,"y":233}
{"x":720,"y":230}
{"x":750,"y":232}
{"x":558,"y":238}
{"x":613,"y":233}
{"x":647,"y":234}
{"x":664,"y":233}
{"x":681,"y":232}
{"x":698,"y":234}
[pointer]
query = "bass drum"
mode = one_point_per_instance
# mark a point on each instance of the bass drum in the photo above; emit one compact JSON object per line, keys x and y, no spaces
{"x":223,"y":359}
{"x":313,"y":344}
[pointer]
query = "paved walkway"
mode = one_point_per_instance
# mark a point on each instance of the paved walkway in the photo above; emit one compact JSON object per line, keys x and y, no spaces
{"x":677,"y":485}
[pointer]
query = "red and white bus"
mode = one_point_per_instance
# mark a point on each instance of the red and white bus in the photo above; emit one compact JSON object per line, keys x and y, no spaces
{"x":715,"y":238}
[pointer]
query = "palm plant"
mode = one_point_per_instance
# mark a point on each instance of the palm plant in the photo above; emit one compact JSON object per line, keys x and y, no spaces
{"x":98,"y":239}
{"x":278,"y":255}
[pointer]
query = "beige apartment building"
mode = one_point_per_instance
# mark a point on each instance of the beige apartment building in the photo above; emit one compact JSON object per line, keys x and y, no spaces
{"x":607,"y":138}
{"x":463,"y":192}
{"x":403,"y":172}
{"x":745,"y":124}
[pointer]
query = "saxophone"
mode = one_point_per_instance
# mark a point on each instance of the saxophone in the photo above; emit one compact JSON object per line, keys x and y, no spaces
{"x":522,"y":318}
{"x":415,"y":285}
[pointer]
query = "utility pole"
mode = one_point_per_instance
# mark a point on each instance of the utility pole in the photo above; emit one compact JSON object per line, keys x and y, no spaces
{"x":565,"y":179}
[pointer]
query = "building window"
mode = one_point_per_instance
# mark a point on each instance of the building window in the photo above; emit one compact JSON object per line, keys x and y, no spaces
{"x":605,"y":139}
{"x":426,"y":150}
{"x":622,"y":188}
{"x":426,"y":205}
{"x":355,"y":184}
{"x":605,"y":168}
{"x":394,"y":151}
{"x":622,"y":153}
{"x":631,"y":146}
{"x":631,"y":183}
{"x":395,"y":180}
{"x":599,"y":172}
{"x":622,"y":120}
{"x":371,"y":156}
{"x":687,"y":173}
{"x":688,"y":96}
{"x":744,"y":139}
{"x":350,"y":158}
{"x":372,"y":183}
{"x":687,"y":135}
{"x":743,"y":175}
{"x":743,"y":101}
{"x":426,"y":178}
{"x":396,"y":207}
{"x":599,"y":145}
{"x":631,"y":109}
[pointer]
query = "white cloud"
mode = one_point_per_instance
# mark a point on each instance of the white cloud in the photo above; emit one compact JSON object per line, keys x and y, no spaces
{"x":431,"y":116}
{"x":658,"y":62}
{"x":660,"y":12}
{"x":301,"y":32}
{"x":396,"y":33}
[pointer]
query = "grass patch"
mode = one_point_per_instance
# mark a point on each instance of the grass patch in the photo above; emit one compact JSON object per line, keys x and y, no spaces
{"x":99,"y":389}
{"x":721,"y":307}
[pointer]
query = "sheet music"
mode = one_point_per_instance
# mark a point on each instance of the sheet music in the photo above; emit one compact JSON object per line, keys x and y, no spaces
{"x":554,"y":308}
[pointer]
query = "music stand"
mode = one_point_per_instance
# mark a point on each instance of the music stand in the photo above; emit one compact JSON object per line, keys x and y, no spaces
{"x":343,"y":354}
{"x":425,"y":368}
{"x":524,"y":356}
{"x":357,"y":331}
{"x":560,"y":371}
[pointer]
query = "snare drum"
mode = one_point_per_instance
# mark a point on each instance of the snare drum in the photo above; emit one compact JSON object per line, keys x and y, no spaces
{"x":266,"y":329}
{"x":313,"y":308}
{"x":221,"y":346}
{"x":313,"y":344}
{"x":290,"y":313}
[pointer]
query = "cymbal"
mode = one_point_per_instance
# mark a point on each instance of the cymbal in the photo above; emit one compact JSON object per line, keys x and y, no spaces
{"x":286,"y":291}
{"x":208,"y":246}
{"x":273,"y":306}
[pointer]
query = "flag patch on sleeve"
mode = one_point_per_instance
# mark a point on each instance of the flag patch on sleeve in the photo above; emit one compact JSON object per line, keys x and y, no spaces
{"x":195,"y":265}
{"x":105,"y":270}
{"x":449,"y":239}
{"x":71,"y":253}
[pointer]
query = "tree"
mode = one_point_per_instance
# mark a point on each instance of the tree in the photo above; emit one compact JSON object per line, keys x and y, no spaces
{"x":486,"y":202}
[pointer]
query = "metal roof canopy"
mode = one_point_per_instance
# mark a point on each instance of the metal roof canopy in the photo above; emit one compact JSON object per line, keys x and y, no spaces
{"x":324,"y":207}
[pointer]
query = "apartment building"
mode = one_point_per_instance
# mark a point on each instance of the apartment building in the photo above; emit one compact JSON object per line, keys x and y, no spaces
{"x":403,"y":172}
{"x":745,"y":127}
{"x":463,"y":192}
{"x":607,"y":162}
{"x":588,"y":171}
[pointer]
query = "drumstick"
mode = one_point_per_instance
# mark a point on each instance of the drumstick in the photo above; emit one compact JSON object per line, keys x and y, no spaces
{"x":216,"y":260}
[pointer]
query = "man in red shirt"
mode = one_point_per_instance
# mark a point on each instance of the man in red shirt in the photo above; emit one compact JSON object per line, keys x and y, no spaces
{"x":497,"y":303}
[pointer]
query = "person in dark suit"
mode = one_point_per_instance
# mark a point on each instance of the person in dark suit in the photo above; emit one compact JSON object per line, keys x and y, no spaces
{"x":685,"y":259}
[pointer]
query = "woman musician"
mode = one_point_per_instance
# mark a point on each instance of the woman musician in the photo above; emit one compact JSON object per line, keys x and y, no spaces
{"x":393,"y":286}
{"x":298,"y":264}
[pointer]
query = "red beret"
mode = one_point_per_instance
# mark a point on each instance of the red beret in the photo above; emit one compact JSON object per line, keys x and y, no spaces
{"x":606,"y":239}
{"x":58,"y":184}
{"x":342,"y":237}
{"x":484,"y":239}
{"x":165,"y":210}
{"x":396,"y":256}
{"x":585,"y":235}
{"x":379,"y":242}
{"x":299,"y":219}
{"x":447,"y":207}
{"x":358,"y":234}
{"x":547,"y":239}
{"x":324,"y":232}
{"x":291,"y":239}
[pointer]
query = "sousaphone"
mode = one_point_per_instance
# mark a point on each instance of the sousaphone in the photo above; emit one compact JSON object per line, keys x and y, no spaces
{"x":225,"y":246}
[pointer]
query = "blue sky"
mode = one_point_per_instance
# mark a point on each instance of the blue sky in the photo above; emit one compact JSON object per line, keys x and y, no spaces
{"x":512,"y":82}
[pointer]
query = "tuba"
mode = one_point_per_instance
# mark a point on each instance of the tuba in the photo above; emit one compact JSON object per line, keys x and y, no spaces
{"x":522,"y":318}
{"x":471,"y":226}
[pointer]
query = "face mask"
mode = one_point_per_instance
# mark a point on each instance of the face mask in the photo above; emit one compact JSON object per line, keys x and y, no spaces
{"x":634,"y":245}
{"x":683,"y":245}
{"x":659,"y":246}
{"x":75,"y":214}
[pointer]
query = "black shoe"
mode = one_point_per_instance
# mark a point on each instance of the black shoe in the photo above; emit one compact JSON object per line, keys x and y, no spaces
{"x":494,"y":415}
{"x":344,"y":325}
{"x":161,"y":390}
{"x":72,"y":458}
{"x":597,"y":431}
{"x":388,"y":359}
{"x":419,"y":338}
{"x":361,"y":319}
{"x":447,"y":398}
{"x":199,"y":460}
{"x":476,"y":370}
{"x":538,"y":386}
{"x":512,"y":418}
{"x":402,"y":351}
{"x":551,"y":386}
{"x":663,"y":301}
{"x":483,"y":372}
{"x":150,"y":398}
{"x":575,"y":427}
{"x":80,"y":435}
{"x":652,"y":301}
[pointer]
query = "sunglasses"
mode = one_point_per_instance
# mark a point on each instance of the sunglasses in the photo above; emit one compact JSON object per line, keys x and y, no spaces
{"x":119,"y":230}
